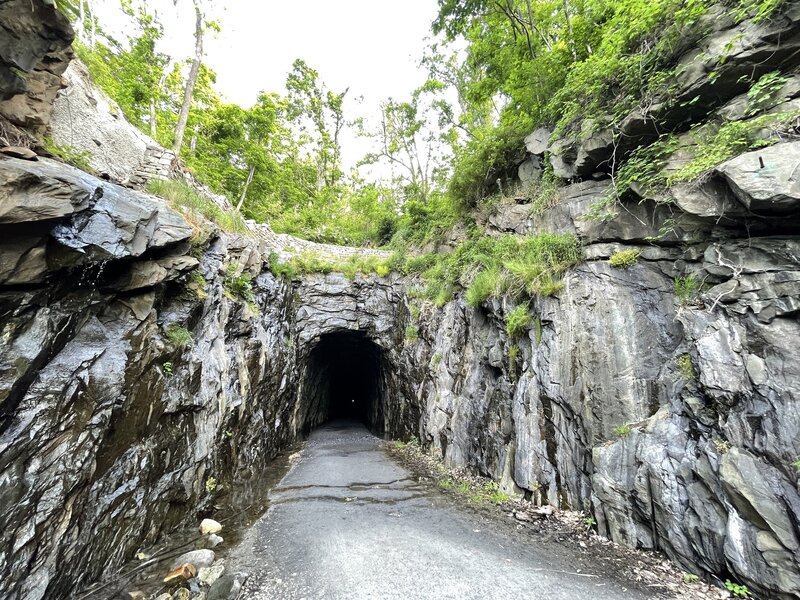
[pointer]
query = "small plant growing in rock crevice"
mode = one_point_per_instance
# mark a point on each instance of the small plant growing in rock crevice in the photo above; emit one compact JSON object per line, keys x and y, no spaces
{"x":686,"y":368}
{"x":513,"y":359}
{"x":412,"y":333}
{"x":517,"y":321}
{"x":436,"y":359}
{"x":624,"y":259}
{"x":623,"y":430}
{"x":179,"y":336}
{"x":737,"y":590}
{"x":239,"y":285}
{"x":211,"y":485}
{"x":686,"y":289}
{"x":167,"y":368}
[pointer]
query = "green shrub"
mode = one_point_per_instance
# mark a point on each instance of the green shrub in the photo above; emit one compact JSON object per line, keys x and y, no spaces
{"x":187,"y":201}
{"x":686,"y":289}
{"x":179,"y":336}
{"x":624,"y":258}
{"x":518,"y":320}
{"x":412,"y":333}
{"x":491,"y":267}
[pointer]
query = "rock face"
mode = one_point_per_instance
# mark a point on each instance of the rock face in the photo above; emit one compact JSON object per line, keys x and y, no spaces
{"x":110,"y":427}
{"x":35,"y":39}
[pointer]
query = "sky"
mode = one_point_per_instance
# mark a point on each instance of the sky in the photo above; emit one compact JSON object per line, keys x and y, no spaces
{"x":371,"y":46}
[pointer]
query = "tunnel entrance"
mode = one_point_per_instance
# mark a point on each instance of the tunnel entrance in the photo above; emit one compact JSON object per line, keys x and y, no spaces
{"x":345,"y":379}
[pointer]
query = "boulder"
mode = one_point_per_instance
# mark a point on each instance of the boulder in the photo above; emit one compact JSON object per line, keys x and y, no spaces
{"x":537,"y":142}
{"x":199,"y":558}
{"x":766,"y":181}
{"x":209,"y":526}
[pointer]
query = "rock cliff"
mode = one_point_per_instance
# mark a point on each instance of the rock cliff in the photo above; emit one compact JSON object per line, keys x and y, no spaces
{"x":142,"y":356}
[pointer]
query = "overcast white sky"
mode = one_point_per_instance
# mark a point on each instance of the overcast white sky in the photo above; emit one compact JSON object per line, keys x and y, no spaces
{"x":371,"y":46}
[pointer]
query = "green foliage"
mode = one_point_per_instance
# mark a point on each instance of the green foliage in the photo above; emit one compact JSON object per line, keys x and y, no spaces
{"x":796,"y":465}
{"x":517,"y":266}
{"x":552,"y":62}
{"x":238,"y":285}
{"x":211,"y":485}
{"x":436,"y":359}
{"x":192,"y":204}
{"x":307,"y":263}
{"x":686,"y":368}
{"x":518,"y":320}
{"x":179,"y":336}
{"x":690,"y":578}
{"x":758,"y":10}
{"x":513,"y":359}
{"x":167,"y":368}
{"x":762,"y":93}
{"x":715,"y":147}
{"x":624,"y":258}
{"x":589,"y":523}
{"x":686,"y":289}
{"x":199,"y":284}
{"x":623,"y":430}
{"x":537,"y":327}
{"x":70,"y":155}
{"x":411,"y":334}
{"x":737,"y":590}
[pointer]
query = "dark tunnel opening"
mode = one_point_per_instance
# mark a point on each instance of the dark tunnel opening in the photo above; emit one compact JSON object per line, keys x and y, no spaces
{"x":345,"y":380}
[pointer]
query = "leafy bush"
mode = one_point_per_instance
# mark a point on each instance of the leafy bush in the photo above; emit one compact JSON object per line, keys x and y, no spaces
{"x":179,"y":336}
{"x":517,"y":321}
{"x":412,"y":333}
{"x":624,"y":258}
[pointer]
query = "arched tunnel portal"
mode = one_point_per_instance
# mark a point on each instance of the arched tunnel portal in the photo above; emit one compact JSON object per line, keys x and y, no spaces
{"x":347,"y":377}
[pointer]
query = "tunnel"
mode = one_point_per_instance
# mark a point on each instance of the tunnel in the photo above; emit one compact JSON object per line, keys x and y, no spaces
{"x":345,"y":380}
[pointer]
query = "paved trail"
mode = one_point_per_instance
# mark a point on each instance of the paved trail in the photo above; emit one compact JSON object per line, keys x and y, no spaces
{"x":347,"y":522}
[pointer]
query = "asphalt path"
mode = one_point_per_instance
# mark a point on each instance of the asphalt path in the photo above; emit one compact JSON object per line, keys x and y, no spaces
{"x":348,"y":522}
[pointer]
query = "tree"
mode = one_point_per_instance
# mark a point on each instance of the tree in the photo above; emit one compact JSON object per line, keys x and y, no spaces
{"x":408,"y":141}
{"x":199,"y":30}
{"x":318,"y":115}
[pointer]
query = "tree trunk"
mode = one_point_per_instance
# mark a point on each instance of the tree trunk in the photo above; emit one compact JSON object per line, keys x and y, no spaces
{"x":246,"y":185}
{"x":183,"y":118}
{"x":571,"y":34}
{"x":92,"y":23}
{"x":81,"y":20}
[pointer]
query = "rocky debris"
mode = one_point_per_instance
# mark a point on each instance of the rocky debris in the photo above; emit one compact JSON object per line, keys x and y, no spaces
{"x":137,"y":595}
{"x":88,"y":121}
{"x":537,"y":141}
{"x":198,"y":558}
{"x":35,"y":39}
{"x":208,"y":575}
{"x":227,"y":587}
{"x":181,"y":573}
{"x":19,"y":152}
{"x":209,"y":526}
{"x":213,"y":540}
